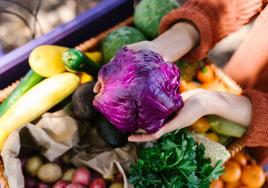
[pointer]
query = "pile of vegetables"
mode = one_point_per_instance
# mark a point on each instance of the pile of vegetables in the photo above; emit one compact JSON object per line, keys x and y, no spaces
{"x":240,"y":171}
{"x":44,"y":86}
{"x":174,"y":161}
{"x":62,"y":174}
{"x":135,"y":90}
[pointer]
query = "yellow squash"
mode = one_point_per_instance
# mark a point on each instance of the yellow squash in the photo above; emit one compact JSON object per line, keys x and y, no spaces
{"x":46,"y":60}
{"x":37,"y":101}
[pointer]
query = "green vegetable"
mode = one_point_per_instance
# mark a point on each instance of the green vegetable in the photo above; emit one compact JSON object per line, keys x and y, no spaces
{"x":29,"y":80}
{"x":119,"y":38}
{"x":149,"y":13}
{"x":77,"y":61}
{"x":225,"y":127}
{"x":175,"y":161}
{"x":188,"y":69}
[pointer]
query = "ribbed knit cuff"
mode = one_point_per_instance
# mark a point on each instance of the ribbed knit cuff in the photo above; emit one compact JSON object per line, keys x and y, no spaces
{"x":200,"y":20}
{"x":257,"y":133}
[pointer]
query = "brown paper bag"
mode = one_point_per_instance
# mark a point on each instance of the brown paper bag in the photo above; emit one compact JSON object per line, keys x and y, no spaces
{"x":55,"y":134}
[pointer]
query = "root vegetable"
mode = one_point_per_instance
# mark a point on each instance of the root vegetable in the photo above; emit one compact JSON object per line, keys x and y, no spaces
{"x":81,"y":176}
{"x":60,"y":184}
{"x":49,"y":173}
{"x":32,"y":165}
{"x":98,"y":183}
{"x":74,"y":185}
{"x":43,"y":185}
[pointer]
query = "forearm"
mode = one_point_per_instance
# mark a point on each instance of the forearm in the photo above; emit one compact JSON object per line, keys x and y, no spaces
{"x":229,"y":106}
{"x":213,"y":19}
{"x":177,"y":41}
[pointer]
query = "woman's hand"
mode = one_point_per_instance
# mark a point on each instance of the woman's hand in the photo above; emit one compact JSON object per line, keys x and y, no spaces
{"x":174,"y":43}
{"x":198,"y":103}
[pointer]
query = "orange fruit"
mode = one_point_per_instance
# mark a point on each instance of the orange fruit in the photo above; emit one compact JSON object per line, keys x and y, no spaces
{"x":192,"y":85}
{"x":216,"y":85}
{"x":216,"y":184}
{"x":205,"y":74}
{"x":183,"y":86}
{"x":232,"y":172}
{"x":213,"y":136}
{"x":241,"y":159}
{"x":201,"y":126}
{"x":253,"y":176}
{"x":236,"y":184}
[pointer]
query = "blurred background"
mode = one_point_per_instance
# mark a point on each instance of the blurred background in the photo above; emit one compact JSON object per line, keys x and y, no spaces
{"x":24,"y":20}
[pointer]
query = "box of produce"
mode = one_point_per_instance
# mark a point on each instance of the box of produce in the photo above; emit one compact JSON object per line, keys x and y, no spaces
{"x":67,"y":122}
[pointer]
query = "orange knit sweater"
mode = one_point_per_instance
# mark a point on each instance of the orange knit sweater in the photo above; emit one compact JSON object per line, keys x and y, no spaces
{"x":214,"y":20}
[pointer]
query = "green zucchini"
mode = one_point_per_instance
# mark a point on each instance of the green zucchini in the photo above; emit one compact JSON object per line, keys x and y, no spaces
{"x":77,"y":61}
{"x":29,"y":80}
{"x":225,"y":127}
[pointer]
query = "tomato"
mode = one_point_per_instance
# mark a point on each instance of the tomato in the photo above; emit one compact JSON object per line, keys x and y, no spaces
{"x":232,"y":172}
{"x":253,"y":176}
{"x":201,"y":126}
{"x":205,"y":74}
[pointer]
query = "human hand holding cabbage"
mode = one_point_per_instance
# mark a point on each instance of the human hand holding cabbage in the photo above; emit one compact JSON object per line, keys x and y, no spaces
{"x":198,"y":103}
{"x":139,"y":89}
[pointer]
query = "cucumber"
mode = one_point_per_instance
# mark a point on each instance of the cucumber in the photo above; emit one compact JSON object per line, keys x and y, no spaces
{"x":29,"y":80}
{"x":77,"y":61}
{"x":225,"y":127}
{"x":37,"y":101}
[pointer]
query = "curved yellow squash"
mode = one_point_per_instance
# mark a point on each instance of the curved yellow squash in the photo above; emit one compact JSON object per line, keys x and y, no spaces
{"x":46,"y":60}
{"x":37,"y":101}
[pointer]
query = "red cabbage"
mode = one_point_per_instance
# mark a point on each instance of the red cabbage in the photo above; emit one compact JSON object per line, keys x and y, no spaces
{"x":138,"y":90}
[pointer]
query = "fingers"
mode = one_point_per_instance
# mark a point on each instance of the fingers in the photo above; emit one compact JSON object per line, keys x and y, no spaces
{"x":191,"y":112}
{"x":141,"y":138}
{"x":145,"y":137}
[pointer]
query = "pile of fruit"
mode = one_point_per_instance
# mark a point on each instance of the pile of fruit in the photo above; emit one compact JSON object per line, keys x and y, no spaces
{"x":41,"y":173}
{"x":241,"y":171}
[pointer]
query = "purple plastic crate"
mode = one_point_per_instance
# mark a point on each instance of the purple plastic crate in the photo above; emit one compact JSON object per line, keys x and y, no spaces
{"x":109,"y":12}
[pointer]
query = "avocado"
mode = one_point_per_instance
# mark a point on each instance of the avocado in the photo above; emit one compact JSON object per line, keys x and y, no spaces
{"x":109,"y":133}
{"x":82,"y":102}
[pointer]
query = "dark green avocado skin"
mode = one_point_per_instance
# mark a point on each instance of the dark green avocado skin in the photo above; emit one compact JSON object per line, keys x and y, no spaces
{"x":82,"y":102}
{"x":108,"y":132}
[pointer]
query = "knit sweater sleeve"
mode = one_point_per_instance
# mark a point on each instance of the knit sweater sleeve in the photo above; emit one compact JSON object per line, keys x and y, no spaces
{"x":257,"y":133}
{"x":214,"y":20}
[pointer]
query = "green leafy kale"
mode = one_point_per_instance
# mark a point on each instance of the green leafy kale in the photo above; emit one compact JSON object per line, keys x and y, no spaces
{"x":174,"y":161}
